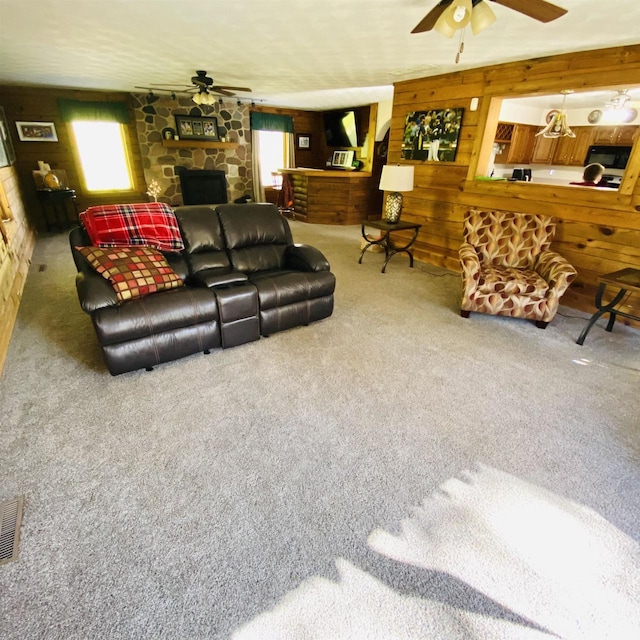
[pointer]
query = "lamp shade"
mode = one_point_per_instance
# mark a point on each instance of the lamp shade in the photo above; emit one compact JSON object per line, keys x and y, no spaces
{"x":481,"y":17}
{"x":396,"y":177}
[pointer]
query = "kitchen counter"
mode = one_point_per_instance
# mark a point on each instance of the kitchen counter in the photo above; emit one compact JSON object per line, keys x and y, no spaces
{"x":333,"y":196}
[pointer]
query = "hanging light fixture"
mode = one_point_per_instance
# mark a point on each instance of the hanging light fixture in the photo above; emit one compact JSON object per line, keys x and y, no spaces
{"x":203,"y":97}
{"x":459,"y":14}
{"x":558,"y":126}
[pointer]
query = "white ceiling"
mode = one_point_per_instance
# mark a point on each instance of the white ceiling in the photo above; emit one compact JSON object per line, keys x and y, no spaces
{"x":310,"y":54}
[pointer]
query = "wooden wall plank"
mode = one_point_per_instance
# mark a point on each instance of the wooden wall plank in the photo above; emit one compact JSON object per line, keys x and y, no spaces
{"x":598,"y":231}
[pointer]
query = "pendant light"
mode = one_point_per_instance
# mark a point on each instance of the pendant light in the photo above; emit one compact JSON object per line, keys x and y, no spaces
{"x":558,"y":126}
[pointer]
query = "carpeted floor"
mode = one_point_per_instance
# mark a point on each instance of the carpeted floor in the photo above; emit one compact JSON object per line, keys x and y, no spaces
{"x":392,"y":472}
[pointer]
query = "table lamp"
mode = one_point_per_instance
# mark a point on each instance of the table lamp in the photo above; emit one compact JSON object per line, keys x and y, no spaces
{"x":395,"y":178}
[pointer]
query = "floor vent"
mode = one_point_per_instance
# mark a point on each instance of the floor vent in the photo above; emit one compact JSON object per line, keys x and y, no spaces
{"x":10,"y":519}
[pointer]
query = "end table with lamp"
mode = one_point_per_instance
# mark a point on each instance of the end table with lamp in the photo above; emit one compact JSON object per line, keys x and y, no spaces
{"x":394,"y":178}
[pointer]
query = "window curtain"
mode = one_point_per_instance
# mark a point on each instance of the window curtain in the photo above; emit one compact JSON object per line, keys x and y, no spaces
{"x":258,"y":189}
{"x":270,"y":122}
{"x":72,"y":110}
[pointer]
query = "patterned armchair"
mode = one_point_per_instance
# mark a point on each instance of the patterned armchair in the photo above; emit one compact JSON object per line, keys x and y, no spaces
{"x":508,"y":269}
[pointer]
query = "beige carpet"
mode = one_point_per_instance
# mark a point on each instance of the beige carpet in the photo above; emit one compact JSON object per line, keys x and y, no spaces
{"x":394,"y":471}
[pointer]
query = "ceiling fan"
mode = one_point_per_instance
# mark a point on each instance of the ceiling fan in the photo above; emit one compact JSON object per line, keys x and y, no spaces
{"x":201,"y":87}
{"x":449,"y":15}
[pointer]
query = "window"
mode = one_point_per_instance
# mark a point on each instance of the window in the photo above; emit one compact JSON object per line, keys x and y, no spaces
{"x":272,"y":155}
{"x":103,"y":156}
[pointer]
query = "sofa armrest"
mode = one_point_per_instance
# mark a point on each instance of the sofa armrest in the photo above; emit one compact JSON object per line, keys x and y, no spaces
{"x":94,"y":292}
{"x":470,"y":264}
{"x":219,"y":277}
{"x":303,"y":257}
{"x":556,"y":270}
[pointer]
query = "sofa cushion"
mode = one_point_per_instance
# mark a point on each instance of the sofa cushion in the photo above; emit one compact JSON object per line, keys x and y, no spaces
{"x":123,"y":225}
{"x":280,"y":288}
{"x":132,"y":271}
{"x":508,"y":281}
{"x":257,"y":236}
{"x":203,"y":239}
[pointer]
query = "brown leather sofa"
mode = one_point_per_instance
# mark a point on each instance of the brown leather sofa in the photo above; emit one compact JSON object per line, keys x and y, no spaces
{"x":243,"y":278}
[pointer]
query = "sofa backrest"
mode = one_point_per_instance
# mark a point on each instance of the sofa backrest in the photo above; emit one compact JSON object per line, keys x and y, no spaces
{"x":507,"y":239}
{"x":257,"y":236}
{"x":204,"y":244}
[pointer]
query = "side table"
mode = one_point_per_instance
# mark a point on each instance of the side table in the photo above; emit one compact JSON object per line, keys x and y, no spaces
{"x":390,"y":247}
{"x":626,"y":280}
{"x":54,"y":207}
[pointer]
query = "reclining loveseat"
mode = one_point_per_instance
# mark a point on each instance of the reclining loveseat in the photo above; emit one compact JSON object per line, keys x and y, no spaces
{"x":238,"y":277}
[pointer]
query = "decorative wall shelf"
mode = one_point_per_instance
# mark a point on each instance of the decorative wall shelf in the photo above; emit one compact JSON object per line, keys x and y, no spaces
{"x":199,"y":144}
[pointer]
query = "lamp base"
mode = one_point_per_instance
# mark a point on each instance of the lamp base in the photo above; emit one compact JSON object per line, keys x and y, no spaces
{"x":393,"y":207}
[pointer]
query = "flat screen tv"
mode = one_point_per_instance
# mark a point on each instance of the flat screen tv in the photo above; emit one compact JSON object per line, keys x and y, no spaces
{"x":340,"y":128}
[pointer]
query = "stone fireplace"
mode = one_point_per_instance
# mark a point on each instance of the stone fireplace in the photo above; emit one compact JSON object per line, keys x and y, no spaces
{"x":202,"y":186}
{"x":160,"y":161}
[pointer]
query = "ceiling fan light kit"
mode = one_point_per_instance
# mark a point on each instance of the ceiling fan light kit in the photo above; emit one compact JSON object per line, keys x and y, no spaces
{"x":449,"y":16}
{"x":482,"y":17}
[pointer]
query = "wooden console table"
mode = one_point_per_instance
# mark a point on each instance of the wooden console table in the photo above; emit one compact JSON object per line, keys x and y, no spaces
{"x":626,"y":280}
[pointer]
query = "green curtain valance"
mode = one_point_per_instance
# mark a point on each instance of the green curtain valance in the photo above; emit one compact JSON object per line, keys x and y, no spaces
{"x":271,"y":122}
{"x":71,"y":110}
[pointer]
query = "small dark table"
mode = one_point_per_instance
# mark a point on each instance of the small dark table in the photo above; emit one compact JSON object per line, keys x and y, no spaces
{"x":626,"y":280}
{"x":390,"y":247}
{"x":54,"y":207}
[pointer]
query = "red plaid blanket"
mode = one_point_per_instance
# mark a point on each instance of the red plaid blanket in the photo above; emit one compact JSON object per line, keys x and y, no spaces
{"x":122,"y":225}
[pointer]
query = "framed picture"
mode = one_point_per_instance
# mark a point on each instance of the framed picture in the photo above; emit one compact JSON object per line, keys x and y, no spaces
{"x":197,"y":128}
{"x":7,"y":153}
{"x":432,"y":135}
{"x":37,"y":132}
{"x":342,"y":159}
{"x":303,"y":141}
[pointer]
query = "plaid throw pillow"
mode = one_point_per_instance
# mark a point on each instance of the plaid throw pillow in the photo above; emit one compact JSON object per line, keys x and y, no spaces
{"x":133,"y":271}
{"x":152,"y":224}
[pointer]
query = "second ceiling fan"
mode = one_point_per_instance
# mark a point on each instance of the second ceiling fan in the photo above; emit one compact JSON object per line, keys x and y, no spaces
{"x":450,"y":15}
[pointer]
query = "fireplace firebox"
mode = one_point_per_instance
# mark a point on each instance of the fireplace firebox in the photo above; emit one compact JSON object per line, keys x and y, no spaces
{"x":202,"y":186}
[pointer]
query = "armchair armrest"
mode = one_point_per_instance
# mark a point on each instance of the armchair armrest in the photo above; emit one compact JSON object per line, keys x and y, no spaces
{"x":303,"y":257}
{"x":470,"y":264}
{"x":556,"y":270}
{"x":94,"y":292}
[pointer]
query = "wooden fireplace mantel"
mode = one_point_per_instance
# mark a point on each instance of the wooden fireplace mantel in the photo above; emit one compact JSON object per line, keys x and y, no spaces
{"x":199,"y":144}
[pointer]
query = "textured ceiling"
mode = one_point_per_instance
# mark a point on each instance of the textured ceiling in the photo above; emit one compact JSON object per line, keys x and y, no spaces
{"x":314,"y":54}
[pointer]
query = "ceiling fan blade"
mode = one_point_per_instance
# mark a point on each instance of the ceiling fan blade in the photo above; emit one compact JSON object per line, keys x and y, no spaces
{"x":169,"y":84}
{"x":222,"y":91}
{"x":224,"y":86}
{"x":537,"y":9}
{"x":427,"y":23}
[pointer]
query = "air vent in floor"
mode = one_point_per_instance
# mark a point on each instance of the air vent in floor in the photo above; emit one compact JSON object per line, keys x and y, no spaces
{"x":10,"y":519}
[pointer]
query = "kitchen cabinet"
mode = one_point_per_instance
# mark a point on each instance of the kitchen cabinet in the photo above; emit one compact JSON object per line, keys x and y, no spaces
{"x":517,"y":142}
{"x":522,"y":142}
{"x":543,"y":150}
{"x":573,"y":151}
{"x":621,"y":134}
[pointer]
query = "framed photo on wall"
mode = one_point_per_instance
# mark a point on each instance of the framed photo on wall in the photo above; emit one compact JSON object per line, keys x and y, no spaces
{"x":432,"y":135}
{"x":37,"y":132}
{"x":197,"y":128}
{"x":303,"y":141}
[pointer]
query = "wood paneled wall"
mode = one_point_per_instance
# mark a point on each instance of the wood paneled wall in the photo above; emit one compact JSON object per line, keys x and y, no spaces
{"x":17,"y":240}
{"x":598,"y":231}
{"x":33,"y":104}
{"x":307,"y":122}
